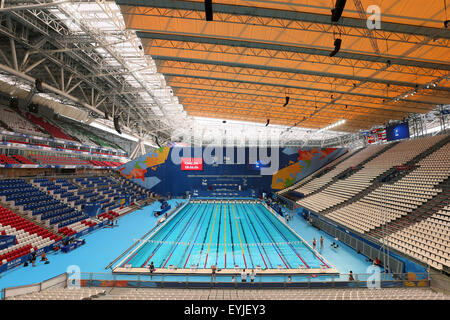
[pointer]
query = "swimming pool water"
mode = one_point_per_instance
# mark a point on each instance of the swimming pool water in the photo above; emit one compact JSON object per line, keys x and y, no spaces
{"x":227,"y":235}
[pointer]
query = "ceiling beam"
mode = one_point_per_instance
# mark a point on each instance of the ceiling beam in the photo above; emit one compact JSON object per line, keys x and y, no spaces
{"x":185,"y":37}
{"x":252,"y":97}
{"x":289,"y":15}
{"x":291,"y":70}
{"x":413,"y":108}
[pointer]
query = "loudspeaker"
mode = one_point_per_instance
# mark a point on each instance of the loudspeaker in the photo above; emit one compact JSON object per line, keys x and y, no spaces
{"x":33,"y":108}
{"x":268,"y":121}
{"x":116,"y":124}
{"x":38,"y":84}
{"x":287,"y":101}
{"x":208,"y":10}
{"x":14,"y":102}
{"x":106,"y":115}
{"x":157,"y":142}
{"x":336,"y":13}
{"x":337,"y":47}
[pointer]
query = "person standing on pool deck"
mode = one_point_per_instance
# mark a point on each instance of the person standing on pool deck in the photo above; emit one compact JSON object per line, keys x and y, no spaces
{"x":151,"y":267}
{"x":321,"y":242}
{"x":213,"y":273}
{"x":243,"y":276}
{"x":350,"y":276}
{"x":33,"y":259}
{"x":314,"y":243}
{"x":252,"y":276}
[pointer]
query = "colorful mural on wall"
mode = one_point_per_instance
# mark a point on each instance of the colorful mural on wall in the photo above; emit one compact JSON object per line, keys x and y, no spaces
{"x":143,"y":164}
{"x":289,"y":175}
{"x":294,"y":164}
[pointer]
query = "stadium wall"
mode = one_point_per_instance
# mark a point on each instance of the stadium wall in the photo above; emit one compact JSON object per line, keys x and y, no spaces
{"x":259,"y":169}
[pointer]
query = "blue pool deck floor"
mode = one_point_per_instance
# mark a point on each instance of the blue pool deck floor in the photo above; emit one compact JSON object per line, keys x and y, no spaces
{"x":105,"y":245}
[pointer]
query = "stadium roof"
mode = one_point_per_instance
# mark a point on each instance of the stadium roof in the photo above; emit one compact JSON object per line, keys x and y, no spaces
{"x":242,"y":64}
{"x":163,"y":69}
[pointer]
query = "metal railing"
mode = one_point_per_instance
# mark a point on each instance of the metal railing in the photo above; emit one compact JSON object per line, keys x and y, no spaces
{"x":187,"y":280}
{"x":58,"y":281}
{"x":190,"y":281}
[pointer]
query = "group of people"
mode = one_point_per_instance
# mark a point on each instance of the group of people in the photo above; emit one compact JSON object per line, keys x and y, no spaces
{"x":33,"y":257}
{"x":288,"y":215}
{"x":244,"y":275}
{"x":321,"y":243}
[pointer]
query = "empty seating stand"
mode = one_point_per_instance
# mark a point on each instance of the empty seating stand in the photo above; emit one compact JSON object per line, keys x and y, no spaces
{"x":18,"y":123}
{"x":7,"y":160}
{"x":39,"y":204}
{"x":53,"y":130}
{"x":396,"y":203}
{"x":56,"y":204}
{"x":59,"y":160}
{"x":232,"y":294}
{"x":22,"y":159}
{"x":341,"y":190}
{"x":105,"y":163}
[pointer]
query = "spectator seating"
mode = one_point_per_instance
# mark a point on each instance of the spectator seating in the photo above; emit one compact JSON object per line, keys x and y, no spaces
{"x":29,"y":236}
{"x":427,"y":240}
{"x":87,"y":137}
{"x":61,"y":294}
{"x":350,"y":161}
{"x":108,"y":191}
{"x":105,"y":163}
{"x":55,"y":160}
{"x":59,"y":160}
{"x":73,"y":131}
{"x":342,"y":190}
{"x":321,"y":170}
{"x":232,"y":294}
{"x":18,"y":123}
{"x":21,"y":159}
{"x":100,"y":141}
{"x":391,"y":201}
{"x":35,"y":203}
{"x":47,"y":126}
{"x":54,"y":203}
{"x":7,"y":160}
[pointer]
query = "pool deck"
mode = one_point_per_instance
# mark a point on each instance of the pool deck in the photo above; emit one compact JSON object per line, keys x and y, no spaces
{"x":145,"y":271}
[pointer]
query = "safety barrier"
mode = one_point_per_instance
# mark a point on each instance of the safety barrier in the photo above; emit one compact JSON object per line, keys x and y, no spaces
{"x":58,"y":281}
{"x":260,"y":281}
